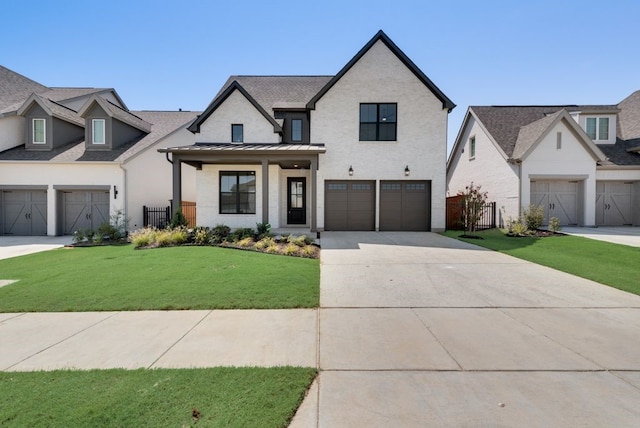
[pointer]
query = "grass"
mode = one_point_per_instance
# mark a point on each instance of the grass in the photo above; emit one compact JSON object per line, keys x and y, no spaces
{"x":265,"y":397}
{"x":114,"y":278}
{"x":611,"y":264}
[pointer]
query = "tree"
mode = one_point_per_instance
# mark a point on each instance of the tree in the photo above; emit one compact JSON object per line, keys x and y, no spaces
{"x":473,"y":206}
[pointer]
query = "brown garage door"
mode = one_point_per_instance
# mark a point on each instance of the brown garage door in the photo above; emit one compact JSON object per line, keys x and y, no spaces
{"x":349,"y":205}
{"x":405,"y":205}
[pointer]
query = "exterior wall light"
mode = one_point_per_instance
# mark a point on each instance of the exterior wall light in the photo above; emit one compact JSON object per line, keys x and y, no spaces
{"x":115,"y":192}
{"x":350,"y":170}
{"x":406,"y":171}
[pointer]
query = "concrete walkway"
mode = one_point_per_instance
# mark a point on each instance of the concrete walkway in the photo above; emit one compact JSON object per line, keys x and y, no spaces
{"x":414,"y":329}
{"x":625,"y":235}
{"x":421,"y":330}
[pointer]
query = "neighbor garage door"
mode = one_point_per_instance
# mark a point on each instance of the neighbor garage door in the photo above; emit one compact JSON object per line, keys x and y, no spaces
{"x":84,"y":210}
{"x":558,"y":198}
{"x":405,"y":205}
{"x":24,"y":212}
{"x":349,"y":205}
{"x":613,"y":203}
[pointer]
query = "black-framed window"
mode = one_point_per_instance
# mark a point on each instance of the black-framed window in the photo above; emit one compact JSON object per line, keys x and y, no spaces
{"x":296,"y":129}
{"x":237,"y":192}
{"x":237,"y":133}
{"x":378,"y":122}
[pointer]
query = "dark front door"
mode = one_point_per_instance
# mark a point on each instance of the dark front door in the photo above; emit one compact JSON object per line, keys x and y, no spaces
{"x":296,"y":200}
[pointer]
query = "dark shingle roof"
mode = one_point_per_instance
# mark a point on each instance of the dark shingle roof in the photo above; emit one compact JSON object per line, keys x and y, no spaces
{"x":629,"y":117}
{"x":15,"y":89}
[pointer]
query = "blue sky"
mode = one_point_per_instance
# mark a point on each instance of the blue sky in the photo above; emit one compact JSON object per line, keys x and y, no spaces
{"x":165,"y":55}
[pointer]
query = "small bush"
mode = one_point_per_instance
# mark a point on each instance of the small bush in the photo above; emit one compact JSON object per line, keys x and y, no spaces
{"x":242,"y":232}
{"x":78,"y":236}
{"x":309,"y":251}
{"x":108,"y":232}
{"x":220,"y":233}
{"x":143,"y":237}
{"x":179,"y":236}
{"x":554,"y":224}
{"x":518,"y":228}
{"x":272,"y":249}
{"x":264,"y":243}
{"x":291,"y":249}
{"x":164,"y":238}
{"x":178,"y":220}
{"x":245,"y":242}
{"x":202,"y":236}
{"x":533,"y":217}
{"x":263,"y":229}
{"x":300,"y":241}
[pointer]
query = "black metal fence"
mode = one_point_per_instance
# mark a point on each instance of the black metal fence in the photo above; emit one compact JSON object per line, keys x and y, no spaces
{"x":158,"y":217}
{"x":455,"y":215}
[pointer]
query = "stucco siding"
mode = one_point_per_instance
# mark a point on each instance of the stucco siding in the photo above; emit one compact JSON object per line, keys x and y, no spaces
{"x":236,"y":109}
{"x":12,"y":132}
{"x":380,"y":77}
{"x":488,"y":169}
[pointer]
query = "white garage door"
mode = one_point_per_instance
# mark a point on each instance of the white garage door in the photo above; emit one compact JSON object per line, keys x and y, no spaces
{"x":24,"y":212}
{"x":613,"y":203}
{"x":84,"y":210}
{"x":558,"y":198}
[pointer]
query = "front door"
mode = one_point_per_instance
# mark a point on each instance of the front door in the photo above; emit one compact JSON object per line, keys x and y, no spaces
{"x":296,"y":200}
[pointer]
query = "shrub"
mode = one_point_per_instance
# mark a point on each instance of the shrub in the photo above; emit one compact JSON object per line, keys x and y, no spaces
{"x":272,"y":249}
{"x":202,"y":236}
{"x":243,"y":232}
{"x":178,"y":236}
{"x":264,"y":243}
{"x":473,"y":206}
{"x":263,"y":229}
{"x":78,"y":236}
{"x":178,"y":220}
{"x":554,"y":224}
{"x":220,"y":233}
{"x":533,"y":217}
{"x":143,"y":237}
{"x":164,"y":238}
{"x":108,"y":232}
{"x":309,"y":251}
{"x":291,"y":249}
{"x":300,"y":241}
{"x":518,"y":228}
{"x":245,"y":242}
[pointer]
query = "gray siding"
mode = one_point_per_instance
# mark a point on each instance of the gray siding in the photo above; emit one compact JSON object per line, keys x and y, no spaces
{"x":36,"y":112}
{"x":97,"y":112}
{"x":286,"y":127}
{"x":122,"y":133}
{"x":65,"y":132}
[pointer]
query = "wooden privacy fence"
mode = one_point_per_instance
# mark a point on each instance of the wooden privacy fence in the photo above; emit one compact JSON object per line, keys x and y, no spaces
{"x":160,"y":217}
{"x":455,"y":214}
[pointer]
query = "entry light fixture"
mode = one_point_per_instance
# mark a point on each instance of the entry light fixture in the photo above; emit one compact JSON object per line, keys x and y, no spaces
{"x":115,"y":192}
{"x":350,"y":170}
{"x":406,"y":171}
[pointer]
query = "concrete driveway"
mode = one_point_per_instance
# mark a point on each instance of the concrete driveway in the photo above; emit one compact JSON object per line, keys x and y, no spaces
{"x":14,"y":246}
{"x":625,"y":235}
{"x":420,"y":330}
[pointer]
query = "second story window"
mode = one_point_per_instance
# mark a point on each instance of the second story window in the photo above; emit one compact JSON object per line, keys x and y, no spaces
{"x":598,"y":128}
{"x":97,"y":131}
{"x":296,"y":129}
{"x":237,"y":133}
{"x":39,"y":131}
{"x":378,"y":122}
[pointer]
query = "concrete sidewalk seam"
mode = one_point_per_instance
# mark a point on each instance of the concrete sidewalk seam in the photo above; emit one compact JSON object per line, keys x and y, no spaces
{"x":17,"y":315}
{"x":436,"y":338}
{"x":180,"y":338}
{"x":60,"y":341}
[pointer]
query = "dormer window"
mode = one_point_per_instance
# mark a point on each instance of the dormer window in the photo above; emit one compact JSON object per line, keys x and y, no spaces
{"x":39,"y":131}
{"x":598,"y":128}
{"x":237,"y":133}
{"x":98,"y":131}
{"x":296,"y":130}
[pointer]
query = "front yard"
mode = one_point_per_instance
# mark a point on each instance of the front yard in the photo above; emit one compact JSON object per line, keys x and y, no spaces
{"x":119,"y":278}
{"x":611,"y":264}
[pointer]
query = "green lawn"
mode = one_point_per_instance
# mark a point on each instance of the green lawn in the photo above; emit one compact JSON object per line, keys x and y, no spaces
{"x":121,"y":278}
{"x":242,"y":397}
{"x":611,"y":264}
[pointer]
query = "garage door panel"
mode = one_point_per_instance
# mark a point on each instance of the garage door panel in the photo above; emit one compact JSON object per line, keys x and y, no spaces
{"x":614,"y":203}
{"x":349,"y":205}
{"x":405,"y":205}
{"x":558,"y":199}
{"x":84,"y":210}
{"x":24,"y":212}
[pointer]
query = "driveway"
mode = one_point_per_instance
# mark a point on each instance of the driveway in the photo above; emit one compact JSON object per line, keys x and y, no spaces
{"x":14,"y":246}
{"x":421,"y":330}
{"x":625,"y":235}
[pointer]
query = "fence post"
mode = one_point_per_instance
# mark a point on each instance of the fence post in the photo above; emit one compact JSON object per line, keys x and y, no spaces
{"x":145,"y":214}
{"x":493,"y":217}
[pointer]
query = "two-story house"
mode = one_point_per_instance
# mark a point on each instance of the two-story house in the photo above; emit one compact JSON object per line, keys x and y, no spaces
{"x":362,"y":150}
{"x":580,"y":163}
{"x":72,"y":157}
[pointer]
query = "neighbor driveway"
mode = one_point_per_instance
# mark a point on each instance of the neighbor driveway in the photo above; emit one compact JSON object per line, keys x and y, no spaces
{"x":14,"y":246}
{"x":625,"y":235}
{"x":421,"y":330}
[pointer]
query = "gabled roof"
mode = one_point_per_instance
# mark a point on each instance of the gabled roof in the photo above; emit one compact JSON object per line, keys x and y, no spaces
{"x":164,"y":124}
{"x":629,"y":117}
{"x":116,"y":112}
{"x":381,"y":36}
{"x":52,"y":108}
{"x":71,"y":94}
{"x":15,"y":88}
{"x":221,"y":98}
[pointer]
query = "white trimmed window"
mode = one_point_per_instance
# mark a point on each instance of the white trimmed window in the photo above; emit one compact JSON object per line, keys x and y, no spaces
{"x":39,"y":131}
{"x":472,"y":148}
{"x":97,"y":131}
{"x":598,"y":128}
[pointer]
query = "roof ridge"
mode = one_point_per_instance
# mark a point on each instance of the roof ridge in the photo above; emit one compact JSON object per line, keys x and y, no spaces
{"x":124,"y":110}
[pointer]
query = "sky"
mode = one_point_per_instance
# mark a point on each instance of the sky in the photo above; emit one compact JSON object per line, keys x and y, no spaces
{"x":170,"y":54}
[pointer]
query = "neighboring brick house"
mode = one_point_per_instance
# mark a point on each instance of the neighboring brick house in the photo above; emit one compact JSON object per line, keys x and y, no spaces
{"x":71,"y":157}
{"x":580,"y":163}
{"x":362,"y":150}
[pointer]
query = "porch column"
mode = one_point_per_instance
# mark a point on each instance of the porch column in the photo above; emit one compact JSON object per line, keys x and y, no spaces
{"x":177,"y":185}
{"x":314,"y":193}
{"x":265,"y":191}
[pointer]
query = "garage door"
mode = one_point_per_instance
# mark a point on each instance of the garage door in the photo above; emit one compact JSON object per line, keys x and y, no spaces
{"x":405,"y":205}
{"x":84,"y":210}
{"x":349,"y":205}
{"x":24,"y":212}
{"x":558,"y":198}
{"x":613,"y":203}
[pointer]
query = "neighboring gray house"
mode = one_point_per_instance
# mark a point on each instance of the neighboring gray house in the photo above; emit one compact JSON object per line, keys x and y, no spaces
{"x":362,"y":150}
{"x":71,"y":157}
{"x":580,"y":163}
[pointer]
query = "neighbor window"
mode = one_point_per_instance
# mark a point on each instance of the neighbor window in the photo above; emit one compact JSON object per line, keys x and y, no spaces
{"x":378,"y":122}
{"x":296,"y":129}
{"x":237,"y":192}
{"x":237,"y":133}
{"x":39,"y":127}
{"x":472,"y":148}
{"x":598,"y":128}
{"x":97,"y":131}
